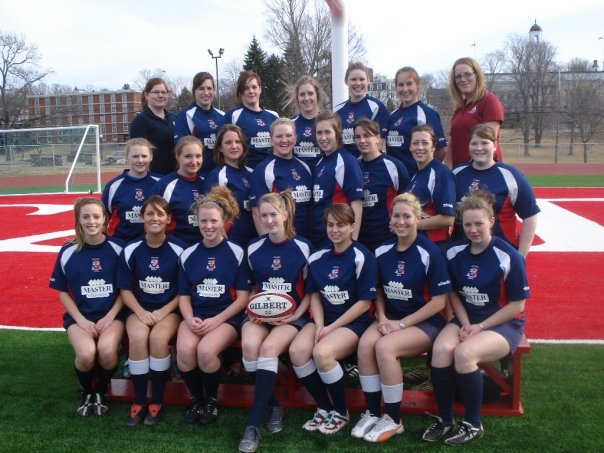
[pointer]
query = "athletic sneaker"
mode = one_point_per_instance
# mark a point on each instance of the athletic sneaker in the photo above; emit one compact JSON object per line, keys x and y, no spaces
{"x":274,"y":421}
{"x":86,"y":406}
{"x":209,"y":413}
{"x":194,"y":411}
{"x":100,"y":404}
{"x":334,"y":423}
{"x":364,"y":425}
{"x":137,"y":415}
{"x":126,"y":370}
{"x":384,"y":430}
{"x":466,"y":433}
{"x":351,"y":370}
{"x":317,"y":420}
{"x":437,"y":430}
{"x":250,"y":439}
{"x":154,"y":415}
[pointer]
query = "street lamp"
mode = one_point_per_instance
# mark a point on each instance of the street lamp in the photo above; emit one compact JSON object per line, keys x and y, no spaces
{"x":220,"y":52}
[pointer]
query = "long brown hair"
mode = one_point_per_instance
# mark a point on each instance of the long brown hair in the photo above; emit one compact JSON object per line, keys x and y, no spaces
{"x":80,"y":236}
{"x":149,"y":86}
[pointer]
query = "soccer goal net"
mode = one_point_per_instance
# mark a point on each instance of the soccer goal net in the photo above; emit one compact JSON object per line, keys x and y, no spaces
{"x":50,"y":160}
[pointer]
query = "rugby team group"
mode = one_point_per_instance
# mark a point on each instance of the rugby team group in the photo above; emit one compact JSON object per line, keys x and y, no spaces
{"x":391,"y":240}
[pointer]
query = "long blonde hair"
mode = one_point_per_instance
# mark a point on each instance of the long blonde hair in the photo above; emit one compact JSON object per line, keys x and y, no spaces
{"x":80,"y":236}
{"x":481,"y":86}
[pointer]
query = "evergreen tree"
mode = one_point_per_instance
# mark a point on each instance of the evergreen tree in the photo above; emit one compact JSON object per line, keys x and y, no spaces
{"x":270,"y":70}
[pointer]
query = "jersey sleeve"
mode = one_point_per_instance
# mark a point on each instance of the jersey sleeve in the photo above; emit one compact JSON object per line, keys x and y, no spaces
{"x":57,"y":278}
{"x":383,"y":118}
{"x":516,"y":282}
{"x":492,"y":109}
{"x":433,"y":120}
{"x":353,"y":178}
{"x":124,"y":274}
{"x":438,"y":278}
{"x":138,"y":127}
{"x":244,"y":278}
{"x":258,"y":185}
{"x":181,"y":128}
{"x":444,"y":193}
{"x":367,"y":278}
{"x":526,"y":203}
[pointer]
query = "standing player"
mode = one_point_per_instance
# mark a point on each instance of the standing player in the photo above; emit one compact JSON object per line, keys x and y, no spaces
{"x":337,"y":178}
{"x":513,"y":194}
{"x":148,"y":280}
{"x":230,"y":156}
{"x":359,"y":105}
{"x":383,"y":179}
{"x":341,"y":282}
{"x":156,"y":124}
{"x":201,"y":118}
{"x":124,"y":195}
{"x":489,"y":292}
{"x":85,"y":275}
{"x":278,"y":261}
{"x":308,"y":97}
{"x":283,"y":171}
{"x":213,"y":288}
{"x":182,"y":188}
{"x":433,"y":184}
{"x":251,"y":118}
{"x":413,"y":284}
{"x":411,"y":112}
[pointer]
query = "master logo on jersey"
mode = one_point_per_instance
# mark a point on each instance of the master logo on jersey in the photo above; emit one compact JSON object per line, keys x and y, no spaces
{"x":394,"y":139}
{"x":210,"y":288}
{"x":400,"y":269}
{"x":397,"y":291}
{"x":335,"y":273}
{"x":153,"y":285}
{"x":276,"y":284}
{"x":317,"y":193}
{"x":261,"y":140}
{"x":334,"y":296}
{"x":96,"y":265}
{"x":369,"y":199}
{"x":97,"y":288}
{"x":211,"y":264}
{"x":473,"y":272}
{"x":139,"y":195}
{"x":473,"y":297}
{"x":276,"y":263}
{"x":154,"y":264}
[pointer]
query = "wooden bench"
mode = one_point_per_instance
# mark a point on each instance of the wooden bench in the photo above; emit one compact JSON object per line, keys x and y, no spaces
{"x":292,"y":394}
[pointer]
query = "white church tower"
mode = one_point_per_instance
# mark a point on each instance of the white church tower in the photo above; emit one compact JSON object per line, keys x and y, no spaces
{"x":535,"y":33}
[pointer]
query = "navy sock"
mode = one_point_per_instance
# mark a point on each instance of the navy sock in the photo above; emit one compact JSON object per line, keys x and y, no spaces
{"x":265,"y":383}
{"x":317,"y":390}
{"x":193,"y":380}
{"x":104,"y":379}
{"x":443,"y":382}
{"x":337,"y":391}
{"x":373,"y":401}
{"x":158,"y":385}
{"x":139,"y":382}
{"x":210,"y":382}
{"x":85,"y":379}
{"x":394,"y":411}
{"x":470,"y":388}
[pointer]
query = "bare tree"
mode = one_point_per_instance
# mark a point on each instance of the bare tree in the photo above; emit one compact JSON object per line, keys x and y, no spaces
{"x":19,"y":72}
{"x":493,"y":63}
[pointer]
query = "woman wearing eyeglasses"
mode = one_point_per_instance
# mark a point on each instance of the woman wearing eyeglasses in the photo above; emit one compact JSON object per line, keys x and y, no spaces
{"x":474,"y":105}
{"x":156,"y":124}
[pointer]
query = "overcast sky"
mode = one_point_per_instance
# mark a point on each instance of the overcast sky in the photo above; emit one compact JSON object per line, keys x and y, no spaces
{"x":106,"y":43}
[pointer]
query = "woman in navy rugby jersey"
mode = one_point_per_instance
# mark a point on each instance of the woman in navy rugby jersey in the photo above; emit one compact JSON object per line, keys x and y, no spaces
{"x":182,"y":188}
{"x":254,"y":120}
{"x":307,"y":95}
{"x":278,"y":261}
{"x":384,"y":177}
{"x":124,"y":195}
{"x":489,"y":292}
{"x":230,"y":156}
{"x":413,"y":284}
{"x":85,"y":275}
{"x":213,"y":288}
{"x":341,"y":282}
{"x":148,"y":280}
{"x":434,"y":185}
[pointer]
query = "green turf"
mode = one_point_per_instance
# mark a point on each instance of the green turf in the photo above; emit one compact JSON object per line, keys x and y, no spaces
{"x":46,"y":189}
{"x":566,"y":181}
{"x":561,"y":396}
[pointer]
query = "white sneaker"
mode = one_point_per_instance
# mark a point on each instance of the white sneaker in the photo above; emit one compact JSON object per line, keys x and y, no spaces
{"x":334,"y":423}
{"x":317,"y":420}
{"x":364,"y":425}
{"x":384,"y":429}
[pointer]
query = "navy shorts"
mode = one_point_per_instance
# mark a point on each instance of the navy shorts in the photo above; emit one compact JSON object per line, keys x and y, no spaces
{"x":359,"y":325}
{"x":431,"y":326}
{"x":298,"y":323}
{"x":512,"y":331}
{"x":68,"y":321}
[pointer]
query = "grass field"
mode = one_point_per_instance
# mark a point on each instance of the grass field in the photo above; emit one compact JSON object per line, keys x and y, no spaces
{"x":566,"y":181}
{"x":561,"y":398}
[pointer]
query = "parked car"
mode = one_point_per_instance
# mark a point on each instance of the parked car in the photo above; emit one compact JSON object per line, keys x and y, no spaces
{"x":116,"y":158}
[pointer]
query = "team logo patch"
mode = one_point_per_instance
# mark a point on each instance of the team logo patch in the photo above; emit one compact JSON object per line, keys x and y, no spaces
{"x":399,"y":121}
{"x":211,"y":264}
{"x":475,"y":186}
{"x":195,"y":195}
{"x":138,"y":195}
{"x":320,"y":173}
{"x":212,"y":124}
{"x":473,"y":273}
{"x":276,"y":263}
{"x":400,"y":269}
{"x":154,"y":264}
{"x":295,"y":175}
{"x":350,"y":119}
{"x":335,"y":272}
{"x":260,"y":123}
{"x":307,"y":132}
{"x":246,"y":183}
{"x":365,"y":177}
{"x":96,"y":265}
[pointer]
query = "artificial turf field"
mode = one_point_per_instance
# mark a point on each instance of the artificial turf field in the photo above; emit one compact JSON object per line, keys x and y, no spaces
{"x":562,"y":395}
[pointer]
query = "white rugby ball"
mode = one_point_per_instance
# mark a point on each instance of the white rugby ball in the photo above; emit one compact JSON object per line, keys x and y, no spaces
{"x":270,"y":306}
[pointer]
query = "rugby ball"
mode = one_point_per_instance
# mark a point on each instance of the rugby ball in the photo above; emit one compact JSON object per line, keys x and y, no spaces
{"x":270,"y":306}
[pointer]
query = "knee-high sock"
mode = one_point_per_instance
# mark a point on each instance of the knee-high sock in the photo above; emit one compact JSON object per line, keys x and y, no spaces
{"x":139,"y":373}
{"x":210,"y":382}
{"x":372,"y":391}
{"x":393,"y":395}
{"x":104,"y":379}
{"x":336,"y":386}
{"x":85,"y":379}
{"x":266,"y":376}
{"x":443,"y":382}
{"x":193,"y":380}
{"x":471,"y":389}
{"x":311,"y":380}
{"x":160,"y":373}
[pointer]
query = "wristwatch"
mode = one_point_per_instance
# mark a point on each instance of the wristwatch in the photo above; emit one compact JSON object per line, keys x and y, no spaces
{"x":401,"y":324}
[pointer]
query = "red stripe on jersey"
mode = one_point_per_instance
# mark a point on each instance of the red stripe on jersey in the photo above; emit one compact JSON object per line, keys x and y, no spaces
{"x":114,"y":221}
{"x":339,"y":196}
{"x":506,"y":218}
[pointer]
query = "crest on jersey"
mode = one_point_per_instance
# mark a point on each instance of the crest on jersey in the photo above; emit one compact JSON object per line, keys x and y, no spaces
{"x":473,"y":272}
{"x":295,"y":175}
{"x":335,"y":273}
{"x":96,"y":265}
{"x":320,"y":173}
{"x":195,"y":195}
{"x":350,"y":119}
{"x":246,"y":183}
{"x":211,"y":264}
{"x":276,"y":263}
{"x":307,"y":132}
{"x":154,"y":264}
{"x":475,"y":186}
{"x":260,"y":123}
{"x":138,"y":195}
{"x":399,"y":121}
{"x":365,"y":177}
{"x":212,"y":124}
{"x":400,"y":269}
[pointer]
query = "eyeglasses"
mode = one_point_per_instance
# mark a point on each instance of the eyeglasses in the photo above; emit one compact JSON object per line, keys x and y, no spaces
{"x":465,"y":75}
{"x":161,"y":93}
